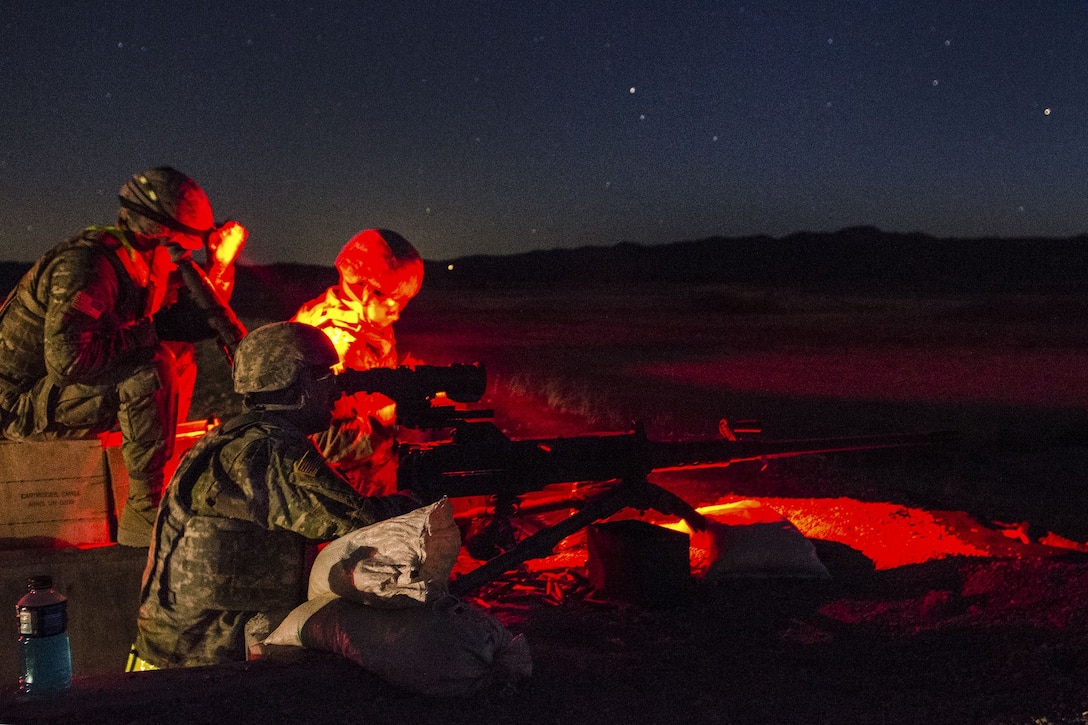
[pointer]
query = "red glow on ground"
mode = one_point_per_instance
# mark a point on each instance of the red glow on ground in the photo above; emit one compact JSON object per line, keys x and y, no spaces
{"x":888,"y":534}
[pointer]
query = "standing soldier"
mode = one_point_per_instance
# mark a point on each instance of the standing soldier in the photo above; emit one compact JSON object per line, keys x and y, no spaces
{"x":227,"y":563}
{"x":380,"y":271}
{"x":79,"y":352}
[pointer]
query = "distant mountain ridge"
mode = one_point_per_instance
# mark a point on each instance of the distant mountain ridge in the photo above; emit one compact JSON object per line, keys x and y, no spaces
{"x":861,"y":259}
{"x":856,"y":258}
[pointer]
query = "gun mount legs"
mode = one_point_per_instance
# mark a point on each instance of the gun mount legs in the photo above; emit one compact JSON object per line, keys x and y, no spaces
{"x":639,"y":494}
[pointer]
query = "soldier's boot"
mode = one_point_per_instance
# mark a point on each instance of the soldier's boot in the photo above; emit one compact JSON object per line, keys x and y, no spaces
{"x":137,"y":522}
{"x":148,"y":419}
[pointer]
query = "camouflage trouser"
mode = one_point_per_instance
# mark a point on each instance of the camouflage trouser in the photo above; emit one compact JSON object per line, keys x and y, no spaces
{"x":143,"y":404}
{"x":185,"y":355}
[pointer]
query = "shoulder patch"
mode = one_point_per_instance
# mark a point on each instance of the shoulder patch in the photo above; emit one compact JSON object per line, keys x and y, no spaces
{"x":310,"y":463}
{"x":88,"y":305}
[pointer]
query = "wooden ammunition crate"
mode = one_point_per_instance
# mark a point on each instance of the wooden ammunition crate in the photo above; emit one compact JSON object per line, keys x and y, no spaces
{"x":53,"y":493}
{"x":65,"y":493}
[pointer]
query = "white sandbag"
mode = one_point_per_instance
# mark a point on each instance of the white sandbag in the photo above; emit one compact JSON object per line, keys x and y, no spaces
{"x":289,"y":632}
{"x":748,"y":539}
{"x":401,"y":561}
{"x":447,"y":648}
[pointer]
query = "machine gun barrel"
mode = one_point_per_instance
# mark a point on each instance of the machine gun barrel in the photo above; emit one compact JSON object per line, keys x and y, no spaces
{"x":690,"y":455}
{"x":480,"y":460}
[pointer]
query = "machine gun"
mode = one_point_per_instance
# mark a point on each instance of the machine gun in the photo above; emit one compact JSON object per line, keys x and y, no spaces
{"x":478,"y":459}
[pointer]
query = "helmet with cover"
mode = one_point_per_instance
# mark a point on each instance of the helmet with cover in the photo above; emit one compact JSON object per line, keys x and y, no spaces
{"x":382,"y":261}
{"x":163,"y":200}
{"x":273,"y":357}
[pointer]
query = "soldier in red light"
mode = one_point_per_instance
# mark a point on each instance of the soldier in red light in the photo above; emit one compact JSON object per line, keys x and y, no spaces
{"x":380,"y":272}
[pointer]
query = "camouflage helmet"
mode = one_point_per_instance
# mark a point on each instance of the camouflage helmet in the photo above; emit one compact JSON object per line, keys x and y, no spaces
{"x":164,"y":197}
{"x":274,"y":355}
{"x":381,"y":260}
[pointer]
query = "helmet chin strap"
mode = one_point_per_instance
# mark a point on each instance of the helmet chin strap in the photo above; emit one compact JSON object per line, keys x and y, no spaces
{"x":298,"y":405}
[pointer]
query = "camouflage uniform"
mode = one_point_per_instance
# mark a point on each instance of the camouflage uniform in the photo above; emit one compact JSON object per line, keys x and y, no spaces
{"x":358,"y":443}
{"x":230,"y":537}
{"x":78,"y":354}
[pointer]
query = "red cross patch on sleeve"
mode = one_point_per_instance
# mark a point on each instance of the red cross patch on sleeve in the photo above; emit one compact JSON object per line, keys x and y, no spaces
{"x":88,"y":305}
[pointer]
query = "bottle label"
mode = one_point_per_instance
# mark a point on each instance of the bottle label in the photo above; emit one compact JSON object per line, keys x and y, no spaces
{"x":44,"y":621}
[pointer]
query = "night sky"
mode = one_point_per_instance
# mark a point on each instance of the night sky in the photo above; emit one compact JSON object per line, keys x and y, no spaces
{"x":500,"y":126}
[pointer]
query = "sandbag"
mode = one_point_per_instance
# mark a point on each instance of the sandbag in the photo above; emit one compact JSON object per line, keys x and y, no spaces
{"x":446,"y":648}
{"x":402,"y":561}
{"x":748,"y":539}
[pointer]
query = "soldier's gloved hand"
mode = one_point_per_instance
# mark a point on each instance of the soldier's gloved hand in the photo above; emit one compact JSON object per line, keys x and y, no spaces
{"x":226,"y":242}
{"x":394,"y":504}
{"x":140,"y":334}
{"x":411,"y":499}
{"x":422,"y":493}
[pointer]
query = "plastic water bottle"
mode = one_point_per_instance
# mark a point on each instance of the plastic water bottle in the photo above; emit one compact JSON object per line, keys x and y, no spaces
{"x":45,"y":656}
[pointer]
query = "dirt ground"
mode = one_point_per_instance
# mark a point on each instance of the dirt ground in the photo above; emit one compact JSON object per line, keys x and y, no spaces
{"x":958,"y":575}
